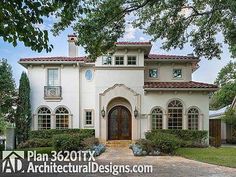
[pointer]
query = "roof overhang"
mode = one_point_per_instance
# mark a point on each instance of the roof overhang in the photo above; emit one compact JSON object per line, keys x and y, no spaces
{"x":181,"y":89}
{"x":144,"y":47}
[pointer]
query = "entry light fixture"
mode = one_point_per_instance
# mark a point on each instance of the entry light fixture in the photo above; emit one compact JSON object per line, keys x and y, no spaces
{"x":103,"y":113}
{"x":135,"y":113}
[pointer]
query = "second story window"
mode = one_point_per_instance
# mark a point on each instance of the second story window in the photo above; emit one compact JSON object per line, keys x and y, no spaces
{"x":177,"y":73}
{"x":119,"y":60}
{"x":131,"y":60}
{"x":153,"y":73}
{"x":53,"y":77}
{"x":106,"y":60}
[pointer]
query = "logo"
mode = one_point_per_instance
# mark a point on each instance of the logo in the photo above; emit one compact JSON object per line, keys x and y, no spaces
{"x":12,"y":161}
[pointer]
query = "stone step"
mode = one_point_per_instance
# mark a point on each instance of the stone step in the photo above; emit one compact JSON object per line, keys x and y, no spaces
{"x":118,"y":143}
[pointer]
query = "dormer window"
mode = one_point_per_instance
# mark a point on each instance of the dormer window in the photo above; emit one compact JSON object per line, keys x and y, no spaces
{"x":153,"y":73}
{"x":106,"y":60}
{"x":131,"y":60}
{"x":119,"y":60}
{"x":177,"y":73}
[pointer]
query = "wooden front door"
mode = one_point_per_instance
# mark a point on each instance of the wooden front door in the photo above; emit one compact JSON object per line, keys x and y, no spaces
{"x":215,"y":132}
{"x":119,"y":123}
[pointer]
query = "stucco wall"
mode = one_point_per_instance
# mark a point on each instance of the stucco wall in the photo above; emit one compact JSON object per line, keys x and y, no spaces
{"x":165,"y":72}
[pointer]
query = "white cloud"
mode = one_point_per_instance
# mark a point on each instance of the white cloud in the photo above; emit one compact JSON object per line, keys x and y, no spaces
{"x":142,"y":38}
{"x":129,"y":32}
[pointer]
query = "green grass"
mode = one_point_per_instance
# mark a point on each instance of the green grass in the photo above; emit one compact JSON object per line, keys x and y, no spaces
{"x":224,"y":156}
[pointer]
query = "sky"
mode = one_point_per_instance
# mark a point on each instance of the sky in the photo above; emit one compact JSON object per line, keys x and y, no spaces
{"x":206,"y":73}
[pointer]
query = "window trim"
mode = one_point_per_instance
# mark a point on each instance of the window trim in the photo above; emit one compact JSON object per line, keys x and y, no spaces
{"x":119,"y":56}
{"x":92,"y":114}
{"x":198,"y":118}
{"x":177,"y":78}
{"x":62,"y":114}
{"x":47,"y":114}
{"x":158,"y":72}
{"x":59,"y":75}
{"x":169,"y":113}
{"x":135,"y":60}
{"x":103,"y":60}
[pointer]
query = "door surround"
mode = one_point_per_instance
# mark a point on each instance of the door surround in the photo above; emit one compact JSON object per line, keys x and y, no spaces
{"x":123,"y":123}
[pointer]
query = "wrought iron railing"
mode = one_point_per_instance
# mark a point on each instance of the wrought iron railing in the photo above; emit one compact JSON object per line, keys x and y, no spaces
{"x":52,"y":92}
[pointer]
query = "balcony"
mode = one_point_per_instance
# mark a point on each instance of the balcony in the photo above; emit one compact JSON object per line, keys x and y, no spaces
{"x":52,"y":92}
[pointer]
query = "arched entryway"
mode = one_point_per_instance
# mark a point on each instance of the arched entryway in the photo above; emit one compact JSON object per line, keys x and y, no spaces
{"x":119,"y":123}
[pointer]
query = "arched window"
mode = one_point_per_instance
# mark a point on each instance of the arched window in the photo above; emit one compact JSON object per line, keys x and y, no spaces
{"x":193,"y":115}
{"x":44,"y":118}
{"x":157,"y":115}
{"x":175,"y":114}
{"x":62,"y":118}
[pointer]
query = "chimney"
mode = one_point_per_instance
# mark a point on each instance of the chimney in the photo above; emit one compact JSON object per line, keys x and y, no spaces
{"x":72,"y":48}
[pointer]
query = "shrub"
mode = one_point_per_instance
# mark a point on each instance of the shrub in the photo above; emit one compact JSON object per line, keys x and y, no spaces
{"x":67,"y":142}
{"x":167,"y":143}
{"x":89,"y":143}
{"x":191,"y":138}
{"x":47,"y":134}
{"x":146,"y":145}
{"x":36,"y":142}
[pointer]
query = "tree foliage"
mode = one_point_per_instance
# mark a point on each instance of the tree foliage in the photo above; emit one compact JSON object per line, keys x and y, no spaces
{"x":230,"y":117}
{"x":7,"y":92}
{"x":227,"y":74}
{"x":23,"y":112}
{"x":99,"y":24}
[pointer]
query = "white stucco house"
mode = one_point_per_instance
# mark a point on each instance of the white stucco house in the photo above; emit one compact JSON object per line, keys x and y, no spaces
{"x":121,"y":96}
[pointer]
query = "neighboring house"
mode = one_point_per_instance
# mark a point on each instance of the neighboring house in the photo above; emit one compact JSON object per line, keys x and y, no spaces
{"x":121,"y":96}
{"x":222,"y":129}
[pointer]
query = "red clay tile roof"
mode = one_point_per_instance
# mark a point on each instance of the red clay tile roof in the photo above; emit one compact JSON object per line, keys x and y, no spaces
{"x":156,"y":56}
{"x":53,"y":59}
{"x":133,"y":43}
{"x":177,"y":85}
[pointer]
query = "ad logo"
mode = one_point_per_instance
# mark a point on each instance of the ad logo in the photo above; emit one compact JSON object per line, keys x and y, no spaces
{"x":12,"y":161}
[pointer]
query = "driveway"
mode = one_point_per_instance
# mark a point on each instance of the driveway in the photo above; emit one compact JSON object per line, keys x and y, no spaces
{"x":163,"y":166}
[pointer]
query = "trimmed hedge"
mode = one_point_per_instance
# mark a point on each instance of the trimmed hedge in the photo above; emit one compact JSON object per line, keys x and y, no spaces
{"x":167,"y":143}
{"x":36,"y":142}
{"x":189,"y":136}
{"x":48,"y":134}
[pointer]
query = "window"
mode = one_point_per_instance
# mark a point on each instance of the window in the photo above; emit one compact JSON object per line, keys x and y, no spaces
{"x":106,"y":60}
{"x":177,"y":73}
{"x":53,"y":77}
{"x":62,"y":118}
{"x":131,"y":60}
{"x":153,"y":73}
{"x":119,"y":60}
{"x":193,"y":115}
{"x":175,"y":115}
{"x":88,"y":118}
{"x":88,"y":75}
{"x":44,"y":118}
{"x":157,"y":118}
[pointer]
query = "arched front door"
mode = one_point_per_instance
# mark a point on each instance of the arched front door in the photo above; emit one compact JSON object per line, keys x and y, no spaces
{"x":119,"y":123}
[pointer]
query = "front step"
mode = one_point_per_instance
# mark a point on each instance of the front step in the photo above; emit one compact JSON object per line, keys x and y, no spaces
{"x":118,"y":143}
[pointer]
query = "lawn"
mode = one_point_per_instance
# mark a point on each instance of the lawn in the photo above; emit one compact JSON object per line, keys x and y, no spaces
{"x":225,"y":156}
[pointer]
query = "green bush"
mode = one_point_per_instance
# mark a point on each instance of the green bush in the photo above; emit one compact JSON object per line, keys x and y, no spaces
{"x":88,"y":143}
{"x":36,"y":142}
{"x":146,"y":145}
{"x":167,"y":143}
{"x":47,"y":134}
{"x":69,"y":142}
{"x":190,"y":138}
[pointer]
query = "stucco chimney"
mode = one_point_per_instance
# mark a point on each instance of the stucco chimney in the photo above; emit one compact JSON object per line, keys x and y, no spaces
{"x":72,"y":48}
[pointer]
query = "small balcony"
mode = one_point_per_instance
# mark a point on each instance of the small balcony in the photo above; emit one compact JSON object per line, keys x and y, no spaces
{"x":52,"y":92}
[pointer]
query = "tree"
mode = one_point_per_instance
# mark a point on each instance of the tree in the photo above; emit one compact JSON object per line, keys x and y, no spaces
{"x":99,"y":24}
{"x":7,"y":92}
{"x":226,"y":80}
{"x":230,"y":117}
{"x":227,"y":74}
{"x":23,"y":112}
